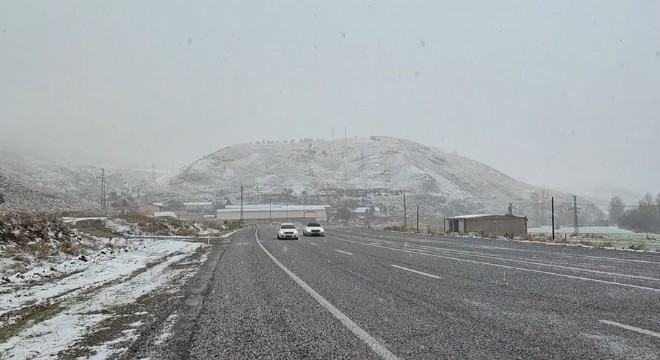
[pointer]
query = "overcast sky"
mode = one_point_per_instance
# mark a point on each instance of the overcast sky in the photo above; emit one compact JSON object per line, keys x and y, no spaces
{"x":560,"y":93}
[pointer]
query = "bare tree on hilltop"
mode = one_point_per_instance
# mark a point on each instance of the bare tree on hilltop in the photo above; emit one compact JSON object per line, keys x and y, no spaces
{"x":617,"y":209}
{"x":643,"y":218}
{"x":539,"y":199}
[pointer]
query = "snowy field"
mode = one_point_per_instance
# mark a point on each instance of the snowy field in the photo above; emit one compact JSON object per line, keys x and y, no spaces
{"x":57,"y":309}
{"x":611,"y":236}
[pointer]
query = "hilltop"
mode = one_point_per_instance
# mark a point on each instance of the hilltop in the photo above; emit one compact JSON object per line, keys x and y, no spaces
{"x":374,"y":171}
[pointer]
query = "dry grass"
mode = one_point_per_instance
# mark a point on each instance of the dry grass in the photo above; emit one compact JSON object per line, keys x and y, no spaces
{"x":586,"y":243}
{"x":39,"y":234}
{"x":399,"y":228}
{"x":164,"y":227}
{"x":604,"y":244}
{"x":545,"y":239}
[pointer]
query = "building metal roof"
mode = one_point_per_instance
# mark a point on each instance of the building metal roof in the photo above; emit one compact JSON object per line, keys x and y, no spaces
{"x":267,"y":207}
{"x":483,"y":216}
{"x":171,"y":214}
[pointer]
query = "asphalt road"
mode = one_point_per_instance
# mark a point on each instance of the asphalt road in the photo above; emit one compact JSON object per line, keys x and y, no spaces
{"x":362,"y":294}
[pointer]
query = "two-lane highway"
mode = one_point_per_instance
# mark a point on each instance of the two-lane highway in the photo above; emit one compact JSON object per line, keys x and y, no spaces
{"x":358,"y":293}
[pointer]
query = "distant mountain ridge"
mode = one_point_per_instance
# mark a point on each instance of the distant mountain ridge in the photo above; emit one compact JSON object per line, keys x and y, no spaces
{"x":361,"y":172}
{"x":30,"y":184}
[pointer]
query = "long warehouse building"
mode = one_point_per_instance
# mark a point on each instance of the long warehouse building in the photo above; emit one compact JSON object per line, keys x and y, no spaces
{"x":277,"y":213}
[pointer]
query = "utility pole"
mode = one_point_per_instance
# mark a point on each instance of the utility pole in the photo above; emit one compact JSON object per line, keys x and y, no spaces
{"x":417,"y":217}
{"x":304,"y":204}
{"x":405,"y":215}
{"x":103,"y":203}
{"x":576,"y":227}
{"x":270,"y":211}
{"x":153,"y":172}
{"x":510,"y":209}
{"x":240,"y":223}
{"x":552,"y":201}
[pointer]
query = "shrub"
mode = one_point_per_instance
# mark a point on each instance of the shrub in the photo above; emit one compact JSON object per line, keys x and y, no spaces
{"x":637,"y":246}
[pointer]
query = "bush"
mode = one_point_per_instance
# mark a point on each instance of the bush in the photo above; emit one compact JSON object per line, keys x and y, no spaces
{"x":637,"y":246}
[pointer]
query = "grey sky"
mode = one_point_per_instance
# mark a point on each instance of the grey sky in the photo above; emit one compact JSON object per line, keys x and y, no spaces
{"x":556,"y":93}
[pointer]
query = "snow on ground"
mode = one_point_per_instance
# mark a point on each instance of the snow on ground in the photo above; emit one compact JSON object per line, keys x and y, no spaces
{"x":606,"y":236}
{"x":74,"y":220}
{"x":122,"y":227}
{"x":106,"y":265}
{"x":584,"y":230}
{"x":109,"y":278}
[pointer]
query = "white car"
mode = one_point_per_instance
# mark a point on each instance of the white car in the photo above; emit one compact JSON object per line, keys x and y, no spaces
{"x":313,"y":229}
{"x":287,"y":231}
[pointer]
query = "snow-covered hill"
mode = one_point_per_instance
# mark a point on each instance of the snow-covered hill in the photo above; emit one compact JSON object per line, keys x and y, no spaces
{"x":32,"y":184}
{"x":366,"y":171}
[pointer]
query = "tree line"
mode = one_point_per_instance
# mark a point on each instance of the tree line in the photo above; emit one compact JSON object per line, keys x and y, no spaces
{"x":644,"y":217}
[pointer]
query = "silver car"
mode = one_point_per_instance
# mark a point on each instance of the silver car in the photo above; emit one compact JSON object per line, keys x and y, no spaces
{"x":287,"y":231}
{"x":313,"y":229}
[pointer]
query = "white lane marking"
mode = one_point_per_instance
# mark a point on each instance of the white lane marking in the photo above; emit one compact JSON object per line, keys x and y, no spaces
{"x":631,"y":328}
{"x":422,"y":248}
{"x":344,"y":252}
{"x":440,"y":241}
{"x":314,"y":244}
{"x":375,"y":346}
{"x":417,"y":272}
{"x":509,"y":267}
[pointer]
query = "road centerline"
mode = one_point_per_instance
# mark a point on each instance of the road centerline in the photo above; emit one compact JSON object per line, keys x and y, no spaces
{"x":417,"y":272}
{"x":374,"y":344}
{"x":344,"y":252}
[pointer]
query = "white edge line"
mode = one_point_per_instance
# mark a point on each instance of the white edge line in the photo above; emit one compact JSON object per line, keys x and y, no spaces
{"x":314,"y":244}
{"x":631,"y":328}
{"x":344,"y":252}
{"x":417,"y":272}
{"x":509,"y":267}
{"x":424,"y":248}
{"x":375,"y":346}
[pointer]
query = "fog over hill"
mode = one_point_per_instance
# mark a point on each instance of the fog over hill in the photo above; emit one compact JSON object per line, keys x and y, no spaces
{"x":36,"y":184}
{"x":373,"y":171}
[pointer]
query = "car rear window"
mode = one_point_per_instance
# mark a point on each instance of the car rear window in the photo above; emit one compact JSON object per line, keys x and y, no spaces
{"x":287,"y":227}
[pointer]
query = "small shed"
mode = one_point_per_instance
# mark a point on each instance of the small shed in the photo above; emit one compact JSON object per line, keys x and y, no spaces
{"x":150,"y":209}
{"x":487,"y":224}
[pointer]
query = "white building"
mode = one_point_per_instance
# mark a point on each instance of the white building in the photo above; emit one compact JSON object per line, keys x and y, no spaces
{"x":198,"y":206}
{"x":276,"y":213}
